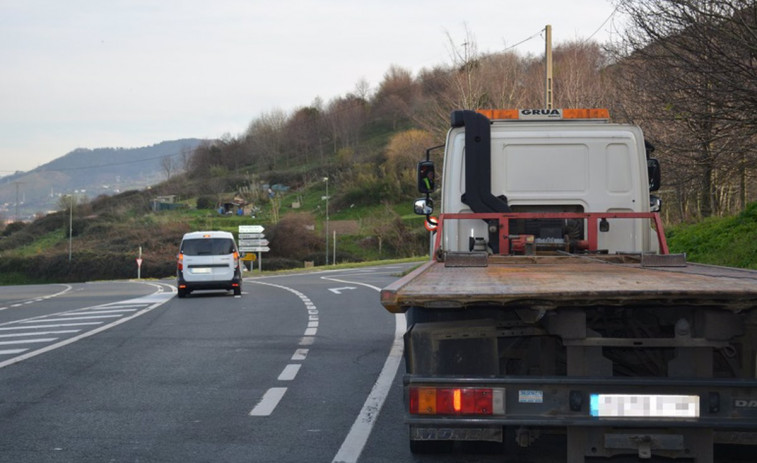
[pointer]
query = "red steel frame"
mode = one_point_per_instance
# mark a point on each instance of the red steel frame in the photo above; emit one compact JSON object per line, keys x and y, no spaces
{"x":592,"y":220}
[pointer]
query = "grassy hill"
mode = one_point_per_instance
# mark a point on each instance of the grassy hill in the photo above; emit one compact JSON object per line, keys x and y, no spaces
{"x":727,"y":241}
{"x":108,"y":233}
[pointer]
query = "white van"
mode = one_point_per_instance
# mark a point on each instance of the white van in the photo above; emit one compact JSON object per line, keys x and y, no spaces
{"x":208,"y":260}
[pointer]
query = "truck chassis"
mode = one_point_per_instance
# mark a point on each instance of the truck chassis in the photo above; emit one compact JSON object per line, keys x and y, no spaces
{"x":640,"y":354}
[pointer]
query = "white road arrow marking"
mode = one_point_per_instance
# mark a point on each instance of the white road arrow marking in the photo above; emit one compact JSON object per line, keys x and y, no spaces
{"x":339,"y":290}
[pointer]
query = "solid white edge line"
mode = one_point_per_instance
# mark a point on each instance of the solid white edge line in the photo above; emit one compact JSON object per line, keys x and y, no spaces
{"x":361,"y":429}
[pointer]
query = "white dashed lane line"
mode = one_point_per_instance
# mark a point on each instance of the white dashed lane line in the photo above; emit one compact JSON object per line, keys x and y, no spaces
{"x":272,"y":397}
{"x":37,"y":299}
{"x":355,"y":441}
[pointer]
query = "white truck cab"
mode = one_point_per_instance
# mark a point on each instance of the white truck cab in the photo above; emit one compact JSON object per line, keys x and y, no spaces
{"x":547,"y":161}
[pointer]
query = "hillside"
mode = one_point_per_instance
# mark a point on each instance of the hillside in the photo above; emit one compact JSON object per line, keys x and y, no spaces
{"x":108,"y":232}
{"x":728,"y":241}
{"x":90,"y":173}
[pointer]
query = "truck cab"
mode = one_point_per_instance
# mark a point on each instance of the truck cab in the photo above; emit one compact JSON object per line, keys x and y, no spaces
{"x":547,"y":161}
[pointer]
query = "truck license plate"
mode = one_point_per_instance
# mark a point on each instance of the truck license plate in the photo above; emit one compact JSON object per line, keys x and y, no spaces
{"x":644,"y":405}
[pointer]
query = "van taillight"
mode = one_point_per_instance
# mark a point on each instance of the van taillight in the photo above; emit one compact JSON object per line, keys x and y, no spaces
{"x":180,"y":261}
{"x":457,"y":401}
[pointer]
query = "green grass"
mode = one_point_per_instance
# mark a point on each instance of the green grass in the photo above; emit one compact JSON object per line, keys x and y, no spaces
{"x":42,"y":244}
{"x":348,"y":265}
{"x":728,"y":241}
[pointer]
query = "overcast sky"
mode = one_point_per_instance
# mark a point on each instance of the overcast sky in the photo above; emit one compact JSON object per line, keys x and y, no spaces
{"x":132,"y":73}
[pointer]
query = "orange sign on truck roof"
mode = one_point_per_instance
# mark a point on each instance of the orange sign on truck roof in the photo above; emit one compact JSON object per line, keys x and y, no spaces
{"x":546,"y":114}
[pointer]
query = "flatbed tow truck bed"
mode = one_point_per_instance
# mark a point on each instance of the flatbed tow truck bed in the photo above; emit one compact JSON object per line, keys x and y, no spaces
{"x":549,"y":282}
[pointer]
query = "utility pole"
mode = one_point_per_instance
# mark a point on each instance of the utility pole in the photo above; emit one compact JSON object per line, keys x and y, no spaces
{"x":326,"y":179}
{"x":548,"y":60}
{"x":15,"y":217}
{"x":70,"y":226}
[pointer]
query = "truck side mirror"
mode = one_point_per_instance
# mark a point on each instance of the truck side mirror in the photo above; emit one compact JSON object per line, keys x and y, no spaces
{"x":426,"y":176}
{"x":423,"y":206}
{"x":653,"y":170}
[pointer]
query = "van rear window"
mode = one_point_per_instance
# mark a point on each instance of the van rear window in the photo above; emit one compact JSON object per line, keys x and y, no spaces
{"x":207,"y":247}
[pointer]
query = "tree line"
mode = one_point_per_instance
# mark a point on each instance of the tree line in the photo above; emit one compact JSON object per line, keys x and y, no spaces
{"x":684,"y":70}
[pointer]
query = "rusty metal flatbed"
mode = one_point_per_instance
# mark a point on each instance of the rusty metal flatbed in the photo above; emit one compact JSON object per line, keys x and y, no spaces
{"x":550,"y":282}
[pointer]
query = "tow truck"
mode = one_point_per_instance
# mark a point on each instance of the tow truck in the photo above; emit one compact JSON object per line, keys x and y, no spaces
{"x":551,"y":305}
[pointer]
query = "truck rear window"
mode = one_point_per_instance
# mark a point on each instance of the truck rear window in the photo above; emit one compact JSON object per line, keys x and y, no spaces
{"x":207,"y":247}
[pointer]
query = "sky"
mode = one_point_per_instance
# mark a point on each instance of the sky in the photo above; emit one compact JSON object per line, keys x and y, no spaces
{"x":132,"y":73}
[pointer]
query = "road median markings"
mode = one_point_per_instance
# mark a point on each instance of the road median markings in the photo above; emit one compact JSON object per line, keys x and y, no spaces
{"x":147,"y":303}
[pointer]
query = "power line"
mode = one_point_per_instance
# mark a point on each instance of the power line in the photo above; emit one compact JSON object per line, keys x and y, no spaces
{"x":525,"y":40}
{"x":603,"y":24}
{"x":115,"y":164}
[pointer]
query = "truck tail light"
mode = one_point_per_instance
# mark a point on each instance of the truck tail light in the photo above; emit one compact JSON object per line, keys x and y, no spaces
{"x":457,"y":401}
{"x":180,"y":262}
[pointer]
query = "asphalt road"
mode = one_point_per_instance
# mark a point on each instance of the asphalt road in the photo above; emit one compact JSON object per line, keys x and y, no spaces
{"x":299,"y":368}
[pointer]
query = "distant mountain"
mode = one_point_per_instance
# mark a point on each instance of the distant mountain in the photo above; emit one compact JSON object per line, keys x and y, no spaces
{"x":91,"y":173}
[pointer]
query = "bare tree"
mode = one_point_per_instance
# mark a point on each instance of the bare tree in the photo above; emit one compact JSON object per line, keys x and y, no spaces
{"x":696,"y":61}
{"x":466,"y":81}
{"x":578,"y":79}
{"x":396,"y":96}
{"x":265,"y":137}
{"x":303,"y":129}
{"x":347,"y":117}
{"x":167,"y":164}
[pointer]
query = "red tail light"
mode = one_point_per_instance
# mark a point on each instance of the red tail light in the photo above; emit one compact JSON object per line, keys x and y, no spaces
{"x":180,"y":262}
{"x":457,"y":401}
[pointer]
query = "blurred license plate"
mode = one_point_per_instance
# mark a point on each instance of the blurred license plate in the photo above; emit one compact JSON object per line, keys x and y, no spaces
{"x":645,"y":405}
{"x":201,"y":270}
